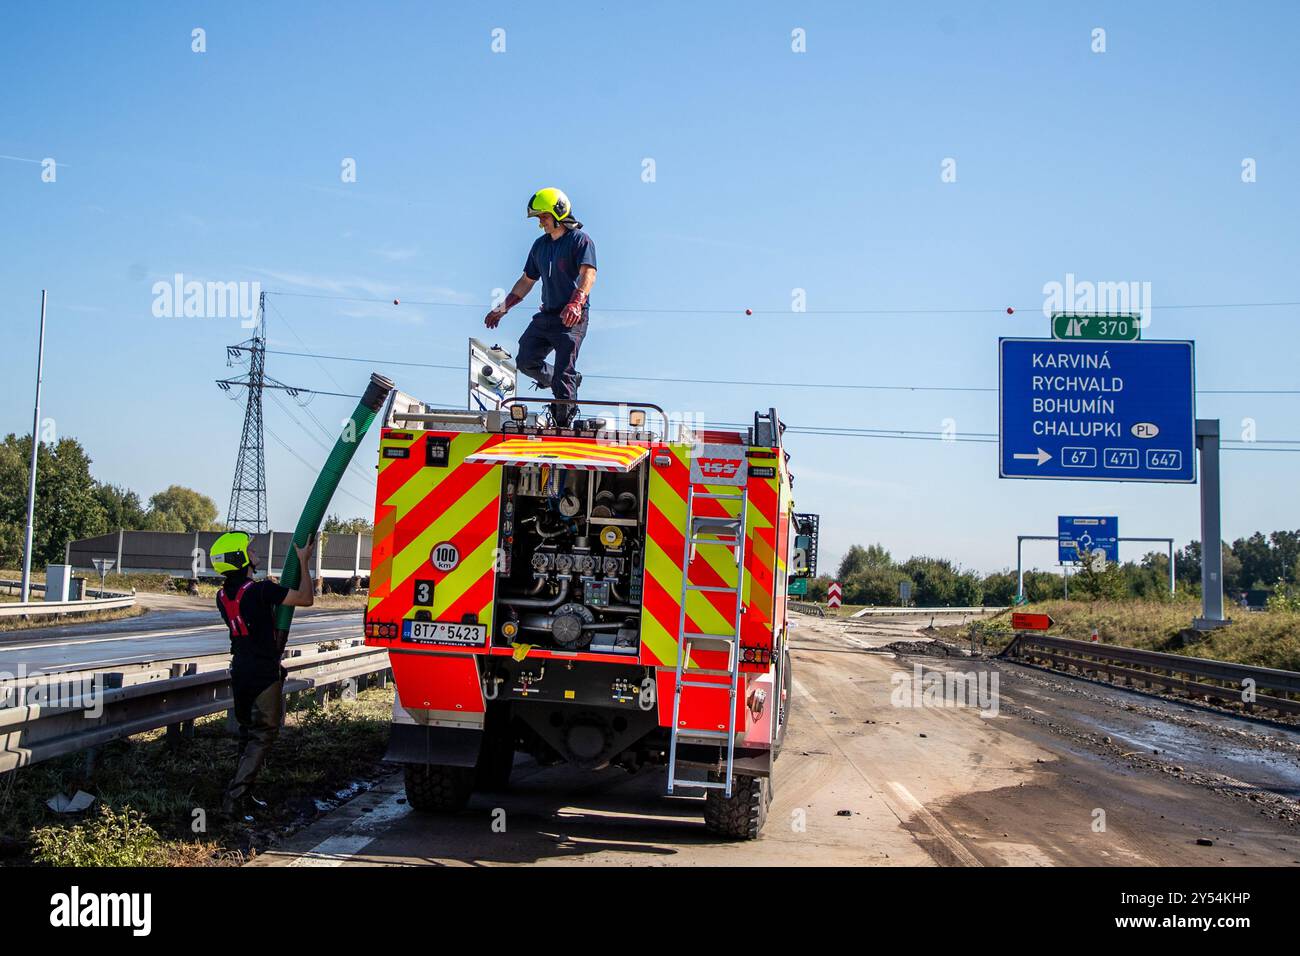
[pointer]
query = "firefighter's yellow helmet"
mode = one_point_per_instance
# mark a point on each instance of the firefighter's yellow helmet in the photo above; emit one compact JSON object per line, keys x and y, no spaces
{"x":550,"y":200}
{"x":229,"y":552}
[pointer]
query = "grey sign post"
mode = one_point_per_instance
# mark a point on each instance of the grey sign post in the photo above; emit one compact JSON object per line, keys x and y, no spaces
{"x":103,"y":566}
{"x":1207,"y":443}
{"x":1020,"y":567}
{"x":26,"y":588}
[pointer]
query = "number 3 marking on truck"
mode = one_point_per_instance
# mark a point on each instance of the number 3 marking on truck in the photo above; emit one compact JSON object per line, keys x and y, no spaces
{"x":444,"y":556}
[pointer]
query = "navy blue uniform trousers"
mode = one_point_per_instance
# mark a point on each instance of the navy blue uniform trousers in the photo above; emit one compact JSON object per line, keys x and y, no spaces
{"x":546,"y":332}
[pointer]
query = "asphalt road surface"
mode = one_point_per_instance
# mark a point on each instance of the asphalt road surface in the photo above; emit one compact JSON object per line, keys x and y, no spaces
{"x":173,"y":627}
{"x":1059,"y":772}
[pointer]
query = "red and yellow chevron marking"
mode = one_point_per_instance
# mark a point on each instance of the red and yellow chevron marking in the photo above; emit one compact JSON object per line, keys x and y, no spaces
{"x":589,"y":455}
{"x":706,"y":612}
{"x":418,"y":507}
{"x":785,"y":507}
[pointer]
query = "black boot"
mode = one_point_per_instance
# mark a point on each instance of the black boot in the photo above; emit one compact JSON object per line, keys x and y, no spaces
{"x":563,"y":414}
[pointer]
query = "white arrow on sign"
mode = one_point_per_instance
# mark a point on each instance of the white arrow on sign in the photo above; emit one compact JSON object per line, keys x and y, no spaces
{"x":1040,"y":456}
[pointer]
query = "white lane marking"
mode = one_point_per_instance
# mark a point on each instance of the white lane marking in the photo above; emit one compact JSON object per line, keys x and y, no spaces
{"x":932,"y":823}
{"x":359,"y":834}
{"x":802,"y":691}
{"x":161,"y":632}
{"x":1020,"y":854}
{"x":145,"y":657}
{"x":334,"y":851}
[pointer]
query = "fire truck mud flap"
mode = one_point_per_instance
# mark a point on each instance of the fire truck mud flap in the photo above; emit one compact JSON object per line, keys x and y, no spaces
{"x":438,"y":716}
{"x":424,"y":744}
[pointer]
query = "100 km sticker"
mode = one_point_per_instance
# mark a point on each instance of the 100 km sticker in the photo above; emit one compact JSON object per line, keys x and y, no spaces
{"x":444,"y":556}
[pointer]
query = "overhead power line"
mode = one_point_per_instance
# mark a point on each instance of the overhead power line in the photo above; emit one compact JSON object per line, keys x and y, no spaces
{"x":963,"y":439}
{"x":312,"y":468}
{"x":225,"y":385}
{"x":991,"y":310}
{"x":854,"y":386}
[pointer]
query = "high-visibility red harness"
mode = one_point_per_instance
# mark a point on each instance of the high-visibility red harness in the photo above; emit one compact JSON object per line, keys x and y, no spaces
{"x":231,"y":605}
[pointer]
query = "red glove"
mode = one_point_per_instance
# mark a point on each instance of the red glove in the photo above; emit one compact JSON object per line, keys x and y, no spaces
{"x":571,"y":314}
{"x":493,"y":318}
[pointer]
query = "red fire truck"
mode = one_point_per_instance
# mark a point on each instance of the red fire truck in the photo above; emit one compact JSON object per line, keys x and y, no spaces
{"x":602,"y":595}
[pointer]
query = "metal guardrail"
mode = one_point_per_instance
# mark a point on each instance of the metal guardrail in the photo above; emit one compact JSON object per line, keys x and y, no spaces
{"x":895,"y":611}
{"x":73,"y":716}
{"x":11,"y":586}
{"x":49,"y":608}
{"x":818,"y":610}
{"x":1196,"y":676}
{"x":805,"y":608}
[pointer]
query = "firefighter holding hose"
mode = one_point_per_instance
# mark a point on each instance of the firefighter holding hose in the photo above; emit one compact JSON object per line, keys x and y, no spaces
{"x":248,"y":609}
{"x":564,"y":259}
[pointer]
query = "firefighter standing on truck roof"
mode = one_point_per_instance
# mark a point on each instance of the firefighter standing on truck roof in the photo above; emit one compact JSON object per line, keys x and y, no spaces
{"x":565,"y":260}
{"x":256,"y":676}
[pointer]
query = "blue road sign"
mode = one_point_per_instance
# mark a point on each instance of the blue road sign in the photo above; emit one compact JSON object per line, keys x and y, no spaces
{"x":1080,"y":537}
{"x":1097,"y":411}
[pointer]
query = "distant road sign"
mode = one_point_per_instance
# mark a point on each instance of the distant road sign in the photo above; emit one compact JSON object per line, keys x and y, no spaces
{"x":1097,"y":411}
{"x":1079,"y":538}
{"x":1030,"y":622}
{"x":905,"y":591}
{"x":833,"y":594}
{"x":797,"y":586}
{"x":1070,"y":326}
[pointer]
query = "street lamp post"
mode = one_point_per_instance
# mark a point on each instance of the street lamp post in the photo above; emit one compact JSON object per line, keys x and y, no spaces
{"x":31,"y":477}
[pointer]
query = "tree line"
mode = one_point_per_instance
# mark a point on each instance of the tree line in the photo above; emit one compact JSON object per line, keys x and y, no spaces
{"x":71,"y":504}
{"x":870,"y":575}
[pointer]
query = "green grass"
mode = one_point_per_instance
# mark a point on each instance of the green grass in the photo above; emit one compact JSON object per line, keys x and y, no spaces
{"x":162,"y":798}
{"x":108,"y":838}
{"x":1257,"y":638}
{"x":80,"y":617}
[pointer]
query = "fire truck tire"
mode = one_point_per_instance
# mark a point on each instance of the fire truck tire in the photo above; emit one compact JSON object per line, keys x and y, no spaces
{"x":742,"y":815}
{"x":497,"y":758}
{"x":431,"y":788}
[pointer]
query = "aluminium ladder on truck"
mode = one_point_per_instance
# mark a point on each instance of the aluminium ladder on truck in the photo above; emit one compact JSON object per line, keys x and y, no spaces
{"x":729,"y":533}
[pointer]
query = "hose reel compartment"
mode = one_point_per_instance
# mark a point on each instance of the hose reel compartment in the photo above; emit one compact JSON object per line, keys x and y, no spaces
{"x":572,"y":534}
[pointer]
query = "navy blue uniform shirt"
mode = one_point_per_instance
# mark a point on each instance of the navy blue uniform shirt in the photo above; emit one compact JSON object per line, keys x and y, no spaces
{"x":556,"y":263}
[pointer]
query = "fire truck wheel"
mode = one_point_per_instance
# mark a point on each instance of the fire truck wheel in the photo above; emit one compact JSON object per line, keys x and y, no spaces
{"x":431,"y":788}
{"x":740,"y":816}
{"x":496,"y":758}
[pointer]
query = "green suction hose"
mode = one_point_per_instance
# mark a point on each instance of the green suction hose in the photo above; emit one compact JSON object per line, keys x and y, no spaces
{"x":354,"y":429}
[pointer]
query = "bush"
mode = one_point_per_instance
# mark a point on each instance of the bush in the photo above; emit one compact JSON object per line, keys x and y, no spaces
{"x":1284,"y":599}
{"x":1107,"y":584}
{"x":938,"y":583}
{"x":999,"y":588}
{"x":875,"y":586}
{"x":115,"y":838}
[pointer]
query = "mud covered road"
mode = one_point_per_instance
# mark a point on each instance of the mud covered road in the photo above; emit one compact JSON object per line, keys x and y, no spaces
{"x":881,"y":767}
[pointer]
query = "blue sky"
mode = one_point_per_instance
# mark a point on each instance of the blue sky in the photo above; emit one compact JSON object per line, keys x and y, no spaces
{"x":774,"y":171}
